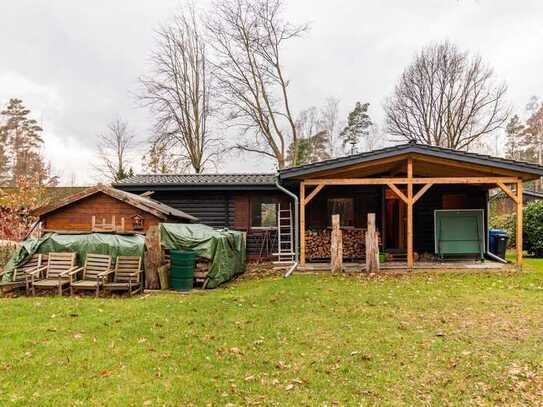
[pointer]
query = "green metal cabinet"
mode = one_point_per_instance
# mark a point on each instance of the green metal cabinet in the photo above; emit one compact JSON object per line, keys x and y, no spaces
{"x":459,"y":232}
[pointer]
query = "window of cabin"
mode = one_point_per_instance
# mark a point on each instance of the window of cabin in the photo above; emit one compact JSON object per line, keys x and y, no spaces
{"x":454,"y":201}
{"x":263,"y":213}
{"x":344,"y":207}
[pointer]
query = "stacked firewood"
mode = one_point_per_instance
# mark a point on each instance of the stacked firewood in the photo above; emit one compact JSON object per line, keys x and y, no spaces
{"x":317,"y":243}
{"x":202,"y":268}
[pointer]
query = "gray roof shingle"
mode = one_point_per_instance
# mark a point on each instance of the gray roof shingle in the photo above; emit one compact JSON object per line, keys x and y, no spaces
{"x":412,"y":147}
{"x":199,"y":180}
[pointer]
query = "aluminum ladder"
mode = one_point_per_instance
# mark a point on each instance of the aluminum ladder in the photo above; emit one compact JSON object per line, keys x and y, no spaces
{"x":285,"y":240}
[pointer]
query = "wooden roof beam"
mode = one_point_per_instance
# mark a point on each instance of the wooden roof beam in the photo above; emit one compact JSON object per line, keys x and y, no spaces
{"x":426,"y":180}
{"x":313,"y":193}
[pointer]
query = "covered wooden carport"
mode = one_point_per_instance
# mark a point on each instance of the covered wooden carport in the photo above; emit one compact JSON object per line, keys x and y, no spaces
{"x":415,"y":169}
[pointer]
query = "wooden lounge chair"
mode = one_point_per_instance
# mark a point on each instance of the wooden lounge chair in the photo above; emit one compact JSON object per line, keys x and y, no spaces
{"x":21,"y":275}
{"x":90,"y":273}
{"x":56,"y":272}
{"x":126,"y":276}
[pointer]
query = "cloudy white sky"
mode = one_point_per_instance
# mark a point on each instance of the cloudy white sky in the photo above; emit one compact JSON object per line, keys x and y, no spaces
{"x":76,"y":64}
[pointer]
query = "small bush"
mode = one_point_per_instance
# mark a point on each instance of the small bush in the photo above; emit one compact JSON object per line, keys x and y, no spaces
{"x":533,"y":228}
{"x":6,"y":251}
{"x":505,"y":222}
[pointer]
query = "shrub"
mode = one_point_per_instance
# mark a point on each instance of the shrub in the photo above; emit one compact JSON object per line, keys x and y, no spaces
{"x":533,"y":228}
{"x":6,"y":251}
{"x":505,"y":222}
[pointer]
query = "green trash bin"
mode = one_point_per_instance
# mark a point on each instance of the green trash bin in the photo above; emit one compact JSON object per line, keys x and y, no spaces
{"x":182,"y":269}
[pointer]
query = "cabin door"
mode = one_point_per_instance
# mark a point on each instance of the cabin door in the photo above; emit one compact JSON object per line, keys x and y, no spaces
{"x":396,"y":222}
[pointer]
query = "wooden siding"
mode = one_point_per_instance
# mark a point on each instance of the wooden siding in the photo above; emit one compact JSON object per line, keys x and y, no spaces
{"x":211,"y":208}
{"x":423,"y":211}
{"x":369,"y":199}
{"x":78,"y":215}
{"x":503,"y":205}
{"x":230,"y":209}
{"x":365,"y":200}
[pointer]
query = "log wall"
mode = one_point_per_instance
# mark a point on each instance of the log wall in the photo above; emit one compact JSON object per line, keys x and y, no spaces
{"x":230,"y":209}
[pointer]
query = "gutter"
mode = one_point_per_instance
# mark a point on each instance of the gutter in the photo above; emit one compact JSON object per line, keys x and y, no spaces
{"x":296,"y":230}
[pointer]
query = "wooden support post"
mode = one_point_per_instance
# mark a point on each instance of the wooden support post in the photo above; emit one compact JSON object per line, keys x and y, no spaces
{"x":302,"y":224}
{"x":518,"y":234}
{"x":153,"y":258}
{"x":372,"y":246}
{"x":410,"y":260}
{"x":336,"y":255}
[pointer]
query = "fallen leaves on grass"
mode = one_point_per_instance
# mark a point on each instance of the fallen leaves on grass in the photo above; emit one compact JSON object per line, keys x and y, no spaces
{"x":106,"y":373}
{"x":282,"y":365}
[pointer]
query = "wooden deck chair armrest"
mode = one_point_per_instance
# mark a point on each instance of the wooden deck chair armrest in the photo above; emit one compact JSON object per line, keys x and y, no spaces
{"x":31,"y":275}
{"x":73,"y":272}
{"x":34,"y":272}
{"x":106,"y":273}
{"x":39,"y":269}
{"x":70,"y":272}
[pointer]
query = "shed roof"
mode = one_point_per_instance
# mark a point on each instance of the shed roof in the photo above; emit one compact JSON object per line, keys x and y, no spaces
{"x":146,"y":204}
{"x":413,"y":148}
{"x":193,"y":181}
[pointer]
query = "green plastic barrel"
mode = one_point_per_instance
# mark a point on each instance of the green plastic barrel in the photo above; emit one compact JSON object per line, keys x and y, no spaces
{"x":182,"y":269}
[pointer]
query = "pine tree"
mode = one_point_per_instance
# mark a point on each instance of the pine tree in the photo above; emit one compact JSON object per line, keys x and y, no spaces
{"x":310,"y":149}
{"x":22,"y":140}
{"x":358,"y":123}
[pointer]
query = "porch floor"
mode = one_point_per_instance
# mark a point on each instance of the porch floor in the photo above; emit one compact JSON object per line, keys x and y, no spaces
{"x":399,"y":266}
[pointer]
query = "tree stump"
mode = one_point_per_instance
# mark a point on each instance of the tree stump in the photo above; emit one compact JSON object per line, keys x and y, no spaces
{"x":336,"y":255}
{"x":372,"y":246}
{"x":153,"y":258}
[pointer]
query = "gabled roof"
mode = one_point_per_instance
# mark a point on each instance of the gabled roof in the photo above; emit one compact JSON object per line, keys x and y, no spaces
{"x":413,"y":148}
{"x":158,"y":209}
{"x":203,"y":181}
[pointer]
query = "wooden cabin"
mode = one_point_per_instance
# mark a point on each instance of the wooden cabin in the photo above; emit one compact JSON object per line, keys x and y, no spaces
{"x":244,"y":202}
{"x":406,"y":186}
{"x":106,"y":209}
{"x":501,"y":204}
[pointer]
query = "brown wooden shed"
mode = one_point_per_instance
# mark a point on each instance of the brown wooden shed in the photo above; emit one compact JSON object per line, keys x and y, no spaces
{"x":103,"y":208}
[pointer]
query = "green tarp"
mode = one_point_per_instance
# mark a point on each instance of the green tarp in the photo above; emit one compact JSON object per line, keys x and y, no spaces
{"x":99,"y":243}
{"x":224,"y":248}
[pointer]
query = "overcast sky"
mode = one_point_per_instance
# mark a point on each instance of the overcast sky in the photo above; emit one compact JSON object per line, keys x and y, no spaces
{"x":76,"y":67}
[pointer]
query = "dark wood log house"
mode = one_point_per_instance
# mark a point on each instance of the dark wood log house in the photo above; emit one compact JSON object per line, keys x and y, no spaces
{"x":403,"y":185}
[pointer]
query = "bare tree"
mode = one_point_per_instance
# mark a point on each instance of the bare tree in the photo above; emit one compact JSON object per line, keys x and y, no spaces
{"x":177,"y":91}
{"x":374,"y":138}
{"x":114,"y":151}
{"x":330,"y":122}
{"x":160,"y":160}
{"x":313,"y":138}
{"x":247,"y":39}
{"x":446,"y":98}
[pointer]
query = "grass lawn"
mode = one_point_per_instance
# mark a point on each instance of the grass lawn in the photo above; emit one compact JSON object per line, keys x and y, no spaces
{"x":420,"y":339}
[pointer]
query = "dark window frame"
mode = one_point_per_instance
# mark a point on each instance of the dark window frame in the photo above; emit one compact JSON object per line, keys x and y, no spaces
{"x":256,"y":212}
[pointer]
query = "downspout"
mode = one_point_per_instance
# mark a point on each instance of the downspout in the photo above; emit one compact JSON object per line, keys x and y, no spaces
{"x":487,"y":243}
{"x":296,"y":230}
